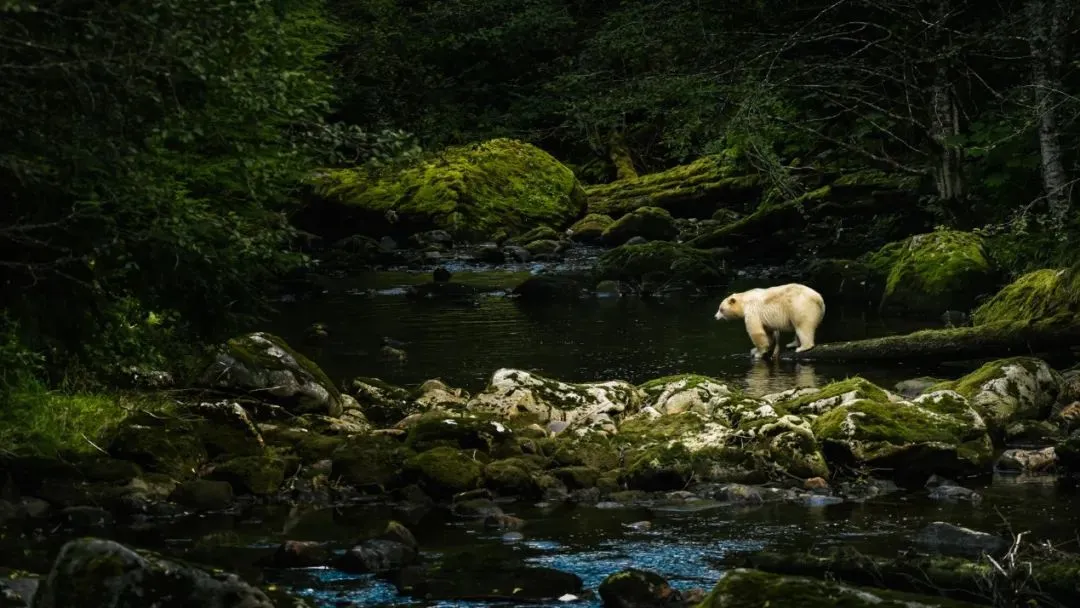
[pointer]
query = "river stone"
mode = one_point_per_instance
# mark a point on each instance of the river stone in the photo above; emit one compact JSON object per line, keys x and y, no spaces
{"x":1009,"y":390}
{"x":264,"y":366}
{"x":596,"y":405}
{"x":956,"y":540}
{"x":95,"y":572}
{"x":300,"y":554}
{"x":1028,"y":461}
{"x":678,"y":394}
{"x":736,"y":586}
{"x":633,"y":588}
{"x":376,"y":555}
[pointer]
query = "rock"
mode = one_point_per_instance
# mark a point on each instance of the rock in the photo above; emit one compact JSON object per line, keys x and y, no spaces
{"x":543,"y":247}
{"x":633,"y":588}
{"x":546,"y":287}
{"x":1032,"y":433}
{"x":589,"y":229}
{"x":264,"y":366}
{"x":609,"y":288}
{"x":229,"y":429}
{"x":636,"y":240}
{"x":782,"y":591}
{"x":815,"y":483}
{"x":444,"y":471}
{"x":1010,"y":390}
{"x":472,"y":192}
{"x":739,"y":494}
{"x":679,"y":264}
{"x":390,"y":354}
{"x":376,"y":555}
{"x":952,"y":493}
{"x":258,"y":475}
{"x":468,"y":576}
{"x":203,"y":495}
{"x":502,"y":521}
{"x":18,"y":591}
{"x":440,"y":275}
{"x":300,"y":554}
{"x":1035,"y":296}
{"x":909,"y":389}
{"x":316,"y":332}
{"x":517,"y":254}
{"x":86,"y":518}
{"x":512,"y":477}
{"x":383,"y":404}
{"x":451,"y":291}
{"x":489,"y":253}
{"x":94,"y":572}
{"x":956,"y":540}
{"x":540,"y":233}
{"x":164,"y":445}
{"x":930,"y":273}
{"x":650,"y":223}
{"x":1028,"y":461}
{"x":432,"y":238}
{"x":151,"y":379}
{"x":1069,"y":417}
{"x":398,"y":533}
{"x":513,"y":393}
{"x":387,"y":244}
{"x":955,"y":318}
{"x":468,"y":506}
{"x":685,"y":393}
{"x":371,"y":461}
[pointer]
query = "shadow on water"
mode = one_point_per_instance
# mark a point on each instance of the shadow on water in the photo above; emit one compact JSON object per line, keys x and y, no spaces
{"x":629,"y":338}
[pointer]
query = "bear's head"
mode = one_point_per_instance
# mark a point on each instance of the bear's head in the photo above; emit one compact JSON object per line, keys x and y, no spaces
{"x":730,"y":308}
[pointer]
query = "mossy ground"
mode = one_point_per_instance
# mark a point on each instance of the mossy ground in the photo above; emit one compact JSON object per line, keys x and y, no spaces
{"x":501,"y":186}
{"x":1035,"y":295}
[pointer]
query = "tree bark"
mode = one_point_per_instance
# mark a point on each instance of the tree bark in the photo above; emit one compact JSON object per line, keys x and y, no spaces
{"x":1048,"y":27}
{"x":945,"y":112}
{"x":1057,"y":334}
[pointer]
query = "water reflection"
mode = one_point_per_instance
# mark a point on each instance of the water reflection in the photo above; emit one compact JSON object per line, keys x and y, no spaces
{"x":766,"y":377}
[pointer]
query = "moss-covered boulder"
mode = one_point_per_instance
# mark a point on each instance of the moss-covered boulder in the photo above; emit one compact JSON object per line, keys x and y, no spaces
{"x":444,"y":471}
{"x":512,"y":477}
{"x":258,"y":475}
{"x":928,"y":274}
{"x":679,"y":264}
{"x":635,"y":588}
{"x":513,"y":393}
{"x":816,"y":401}
{"x":1041,"y":294}
{"x":1010,"y":390}
{"x":590,"y":228}
{"x":162,"y":445}
{"x":743,"y":588}
{"x":938,"y":432}
{"x":382,"y":403}
{"x":264,"y":366}
{"x":696,"y":189}
{"x":465,"y":432}
{"x":498,"y":187}
{"x":225,"y":428}
{"x":95,"y":572}
{"x":370,"y":462}
{"x":685,"y":393}
{"x":650,"y":223}
{"x":540,"y":233}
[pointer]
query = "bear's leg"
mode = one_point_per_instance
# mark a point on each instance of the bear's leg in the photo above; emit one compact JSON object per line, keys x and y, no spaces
{"x":775,"y":346}
{"x":805,"y":338}
{"x":794,"y":343}
{"x":761,"y":344}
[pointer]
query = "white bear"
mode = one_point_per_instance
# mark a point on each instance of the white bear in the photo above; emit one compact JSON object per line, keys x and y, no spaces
{"x":771,"y":310}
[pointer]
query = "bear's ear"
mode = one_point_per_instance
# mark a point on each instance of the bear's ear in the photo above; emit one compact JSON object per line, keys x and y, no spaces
{"x":731,"y":300}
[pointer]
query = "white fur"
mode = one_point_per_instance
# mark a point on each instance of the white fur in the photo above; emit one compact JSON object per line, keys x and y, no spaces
{"x":769,"y":311}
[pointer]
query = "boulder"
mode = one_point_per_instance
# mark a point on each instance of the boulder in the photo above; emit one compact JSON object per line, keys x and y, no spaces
{"x":264,"y":366}
{"x":1010,"y":390}
{"x":678,"y":264}
{"x":633,"y":588}
{"x":685,"y":393}
{"x":651,"y":223}
{"x":951,"y":539}
{"x":589,"y":229}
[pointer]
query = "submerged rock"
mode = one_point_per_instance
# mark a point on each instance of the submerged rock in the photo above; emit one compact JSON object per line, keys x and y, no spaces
{"x":265,"y":366}
{"x":956,"y":540}
{"x":94,"y":572}
{"x":376,"y":555}
{"x":635,"y":588}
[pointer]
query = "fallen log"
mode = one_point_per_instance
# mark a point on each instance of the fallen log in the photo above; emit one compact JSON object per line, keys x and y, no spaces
{"x":1054,"y":334}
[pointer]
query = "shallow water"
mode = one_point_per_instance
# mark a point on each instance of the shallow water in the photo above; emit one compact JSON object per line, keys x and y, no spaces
{"x":601,"y":338}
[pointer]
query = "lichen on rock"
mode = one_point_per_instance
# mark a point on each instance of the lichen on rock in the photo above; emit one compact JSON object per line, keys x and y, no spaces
{"x":263,"y":365}
{"x":501,"y":186}
{"x":686,"y":392}
{"x":1008,"y":390}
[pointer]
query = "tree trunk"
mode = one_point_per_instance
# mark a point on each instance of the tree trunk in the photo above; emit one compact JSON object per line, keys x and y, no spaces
{"x":620,"y":157}
{"x":945,"y":113}
{"x":1057,"y":334}
{"x":1048,"y":21}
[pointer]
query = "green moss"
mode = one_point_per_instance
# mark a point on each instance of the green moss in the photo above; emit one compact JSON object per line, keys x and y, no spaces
{"x":540,"y":233}
{"x":372,"y":461}
{"x":676,"y":426}
{"x":590,"y":228}
{"x":577,"y":477}
{"x":512,"y":477}
{"x":163,"y":444}
{"x":1036,"y":295}
{"x":876,"y":179}
{"x":677,"y":262}
{"x":501,"y":185}
{"x":542,"y":247}
{"x":592,"y":451}
{"x":477,"y":432}
{"x":308,"y":446}
{"x":651,"y":223}
{"x":243,"y":349}
{"x":659,"y":468}
{"x":893,"y":423}
{"x":444,"y":471}
{"x":934,"y":272}
{"x":832,"y":395}
{"x":696,"y":188}
{"x":259,"y":475}
{"x":691,"y":381}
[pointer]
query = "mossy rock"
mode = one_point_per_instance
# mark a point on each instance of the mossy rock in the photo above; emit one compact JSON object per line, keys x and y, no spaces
{"x":591,"y":451}
{"x":937,"y":433}
{"x":543,"y":247}
{"x":512,"y":477}
{"x":678,"y":263}
{"x":166,"y":445}
{"x":444,"y":471}
{"x":258,"y":475}
{"x":382,"y":403}
{"x":373,"y":461}
{"x":204,"y":494}
{"x":307,"y":445}
{"x":833,"y":395}
{"x":1036,"y":295}
{"x":472,"y":432}
{"x":576,"y":478}
{"x":743,"y":588}
{"x":635,"y":588}
{"x":931,"y":273}
{"x":1010,"y":390}
{"x":589,"y":229}
{"x":473,"y":192}
{"x":540,"y":233}
{"x":685,"y":393}
{"x":659,"y":469}
{"x":696,"y":189}
{"x":265,"y":366}
{"x":651,"y":223}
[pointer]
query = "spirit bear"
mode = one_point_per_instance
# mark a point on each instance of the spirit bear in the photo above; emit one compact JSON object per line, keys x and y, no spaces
{"x":771,"y":310}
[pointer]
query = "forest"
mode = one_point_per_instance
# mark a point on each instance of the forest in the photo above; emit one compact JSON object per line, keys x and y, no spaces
{"x":174,"y":172}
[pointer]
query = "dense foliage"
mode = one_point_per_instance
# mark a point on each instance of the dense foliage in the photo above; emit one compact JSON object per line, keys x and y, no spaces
{"x":150,"y":153}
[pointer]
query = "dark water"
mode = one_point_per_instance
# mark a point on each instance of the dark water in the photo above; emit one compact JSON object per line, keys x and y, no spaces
{"x":601,"y":338}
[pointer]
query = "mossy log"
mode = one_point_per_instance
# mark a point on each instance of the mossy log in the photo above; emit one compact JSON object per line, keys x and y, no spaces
{"x":953,"y":577}
{"x":694,"y":190}
{"x":992,"y":340}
